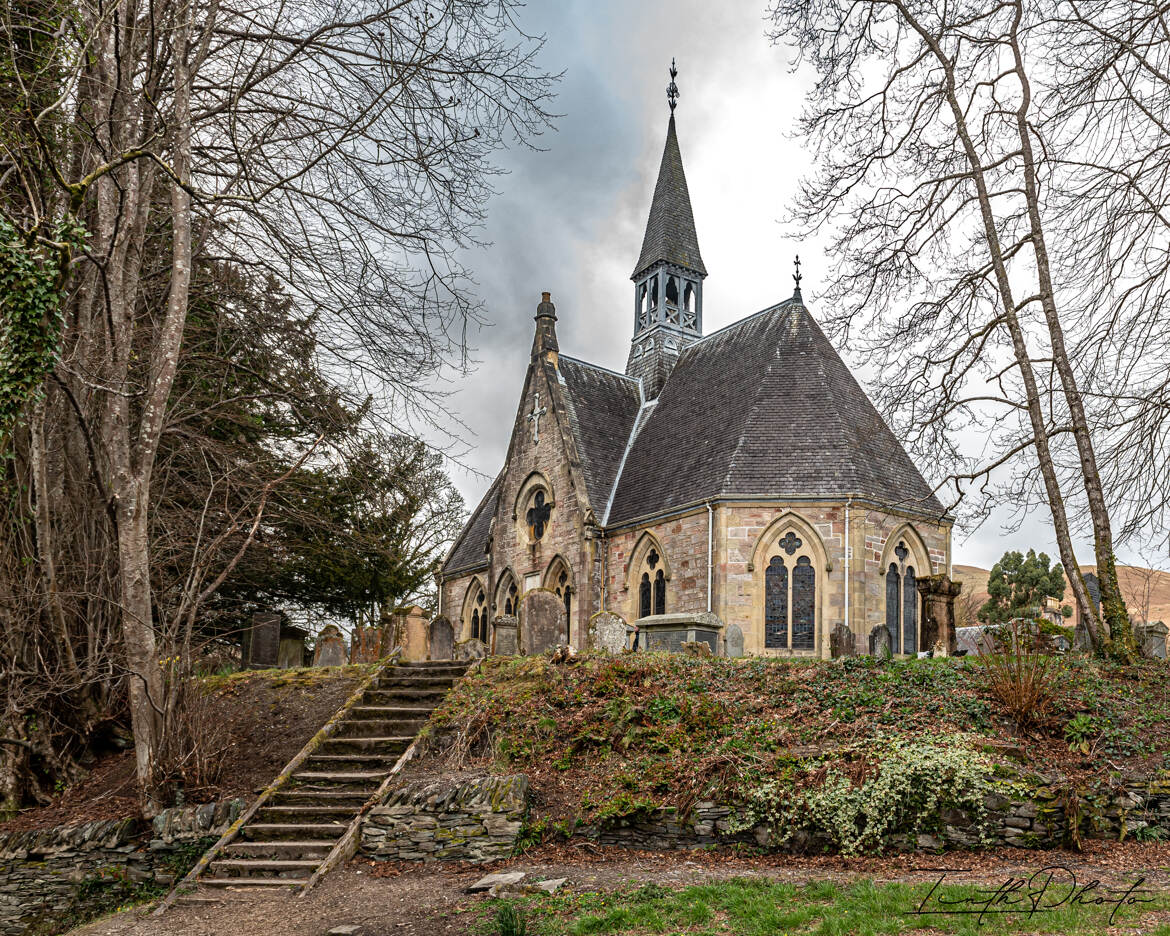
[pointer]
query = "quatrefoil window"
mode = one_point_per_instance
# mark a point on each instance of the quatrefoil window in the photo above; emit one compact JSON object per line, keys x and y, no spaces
{"x":790,"y":542}
{"x":901,"y":552}
{"x":652,"y":558}
{"x":538,"y":515}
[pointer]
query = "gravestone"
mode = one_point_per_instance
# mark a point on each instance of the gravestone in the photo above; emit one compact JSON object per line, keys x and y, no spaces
{"x":442,"y":638}
{"x":542,"y":621}
{"x":264,"y":641}
{"x":471,"y":649}
{"x":330,"y":649}
{"x":292,"y":651}
{"x":734,"y":641}
{"x":1151,"y":639}
{"x":938,"y":613}
{"x":842,"y":642}
{"x":880,"y":644}
{"x":370,"y":644}
{"x":609,"y":632}
{"x":504,"y":628}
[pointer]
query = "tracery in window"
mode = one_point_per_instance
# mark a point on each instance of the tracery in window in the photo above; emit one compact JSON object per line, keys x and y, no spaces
{"x":476,"y":613}
{"x":538,"y":516}
{"x":790,"y":595}
{"x":902,"y":601}
{"x":651,"y":577}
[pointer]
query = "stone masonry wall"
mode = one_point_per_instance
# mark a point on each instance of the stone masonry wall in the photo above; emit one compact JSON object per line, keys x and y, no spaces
{"x":42,"y":873}
{"x":474,"y":820}
{"x":480,"y":820}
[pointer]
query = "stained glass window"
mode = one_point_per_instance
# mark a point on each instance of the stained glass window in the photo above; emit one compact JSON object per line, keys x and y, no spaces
{"x":804,"y":604}
{"x":776,"y":604}
{"x":644,"y":596}
{"x":660,"y":593}
{"x":909,"y":612}
{"x":893,"y":589}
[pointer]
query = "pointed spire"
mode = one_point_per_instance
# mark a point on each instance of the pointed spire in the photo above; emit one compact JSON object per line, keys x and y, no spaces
{"x":544,"y":343}
{"x":670,"y":228}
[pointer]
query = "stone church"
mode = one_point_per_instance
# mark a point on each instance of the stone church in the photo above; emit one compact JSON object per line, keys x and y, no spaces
{"x":736,"y":488}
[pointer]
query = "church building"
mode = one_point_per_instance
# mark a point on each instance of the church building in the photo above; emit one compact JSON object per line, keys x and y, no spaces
{"x":736,"y":487}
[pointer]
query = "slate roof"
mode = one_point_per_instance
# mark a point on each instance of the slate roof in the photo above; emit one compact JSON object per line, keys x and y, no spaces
{"x":765,"y":407}
{"x":602,"y":406}
{"x":469,"y":553}
{"x":670,"y":229}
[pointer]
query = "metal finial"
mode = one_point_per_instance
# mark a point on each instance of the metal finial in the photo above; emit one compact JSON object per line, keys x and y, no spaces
{"x":672,"y":88}
{"x":796,"y":278}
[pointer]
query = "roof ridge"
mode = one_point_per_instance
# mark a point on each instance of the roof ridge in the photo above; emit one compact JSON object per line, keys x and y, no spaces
{"x":747,"y":318}
{"x":608,"y":370}
{"x":643,"y":410}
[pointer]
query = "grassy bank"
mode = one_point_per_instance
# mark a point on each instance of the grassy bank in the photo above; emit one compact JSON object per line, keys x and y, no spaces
{"x":602,"y":737}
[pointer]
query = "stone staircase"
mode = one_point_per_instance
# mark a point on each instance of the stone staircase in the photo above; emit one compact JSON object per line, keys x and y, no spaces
{"x":299,"y":825}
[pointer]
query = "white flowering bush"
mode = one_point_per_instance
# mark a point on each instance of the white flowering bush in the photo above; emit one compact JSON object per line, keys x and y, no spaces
{"x":914,"y":782}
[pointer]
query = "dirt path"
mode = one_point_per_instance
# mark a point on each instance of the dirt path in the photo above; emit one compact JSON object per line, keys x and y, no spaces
{"x":413,"y":900}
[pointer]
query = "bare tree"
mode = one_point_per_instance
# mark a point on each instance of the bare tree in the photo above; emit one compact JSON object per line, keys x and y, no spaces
{"x":932,"y":181}
{"x":342,"y":147}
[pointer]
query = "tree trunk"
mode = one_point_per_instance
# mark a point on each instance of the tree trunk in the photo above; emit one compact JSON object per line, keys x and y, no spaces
{"x":1114,"y":613}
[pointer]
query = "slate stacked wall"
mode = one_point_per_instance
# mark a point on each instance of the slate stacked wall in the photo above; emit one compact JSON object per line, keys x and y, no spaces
{"x":43,"y":873}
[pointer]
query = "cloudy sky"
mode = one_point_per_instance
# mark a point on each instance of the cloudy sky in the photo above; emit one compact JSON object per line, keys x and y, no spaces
{"x":569,"y":219}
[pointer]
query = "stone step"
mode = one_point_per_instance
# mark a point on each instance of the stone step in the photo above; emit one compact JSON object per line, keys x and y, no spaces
{"x":251,"y":882}
{"x":264,"y":867}
{"x":341,"y":762}
{"x":349,"y":777}
{"x":437,"y":684}
{"x":391,"y":696}
{"x":377,"y":727}
{"x":438,"y":668}
{"x":317,"y":849}
{"x":286,"y":831}
{"x":389,"y":713}
{"x":285,"y":815}
{"x":315,"y":797}
{"x":365,"y":744}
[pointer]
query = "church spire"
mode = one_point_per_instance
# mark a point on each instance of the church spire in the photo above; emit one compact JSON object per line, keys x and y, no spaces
{"x":668,"y":278}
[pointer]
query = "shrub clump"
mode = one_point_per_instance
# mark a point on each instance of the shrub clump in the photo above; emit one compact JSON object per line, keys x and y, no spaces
{"x":903,"y":786}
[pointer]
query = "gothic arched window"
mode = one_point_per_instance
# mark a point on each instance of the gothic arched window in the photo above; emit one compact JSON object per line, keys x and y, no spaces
{"x":902,"y":601}
{"x":790,"y":595}
{"x":690,"y":313}
{"x":660,"y":593}
{"x":477,"y":613}
{"x":652,"y":577}
{"x":512,"y":599}
{"x":645,"y":605}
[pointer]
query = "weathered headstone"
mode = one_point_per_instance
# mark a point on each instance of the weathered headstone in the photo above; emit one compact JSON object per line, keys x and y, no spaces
{"x":542,"y":621}
{"x":264,"y":640}
{"x":504,"y":635}
{"x":1151,"y":639}
{"x":938,"y":612}
{"x":442,"y":638}
{"x":369,"y":644}
{"x":842,"y":643}
{"x":292,"y":647}
{"x":880,"y":643}
{"x":471,"y":649}
{"x":734,"y":641}
{"x":609,"y":632}
{"x":330,"y":649}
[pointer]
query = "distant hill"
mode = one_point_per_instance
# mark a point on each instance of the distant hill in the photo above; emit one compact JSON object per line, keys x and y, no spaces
{"x":1141,"y":588}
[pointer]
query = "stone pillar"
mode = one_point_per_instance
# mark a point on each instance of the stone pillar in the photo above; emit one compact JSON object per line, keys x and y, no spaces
{"x":938,"y":611}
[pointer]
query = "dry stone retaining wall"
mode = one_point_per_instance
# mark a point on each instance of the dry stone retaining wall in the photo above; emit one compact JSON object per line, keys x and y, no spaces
{"x":43,"y":873}
{"x":480,"y":820}
{"x":474,"y":820}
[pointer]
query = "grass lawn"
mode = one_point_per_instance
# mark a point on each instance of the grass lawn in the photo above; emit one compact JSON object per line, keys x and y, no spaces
{"x":765,"y":908}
